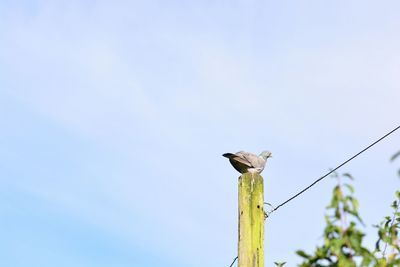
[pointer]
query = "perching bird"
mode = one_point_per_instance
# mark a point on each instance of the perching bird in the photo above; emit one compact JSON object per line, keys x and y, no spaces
{"x":247,"y":162}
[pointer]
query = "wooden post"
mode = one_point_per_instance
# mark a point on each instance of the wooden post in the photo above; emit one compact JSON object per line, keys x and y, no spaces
{"x":251,"y":221}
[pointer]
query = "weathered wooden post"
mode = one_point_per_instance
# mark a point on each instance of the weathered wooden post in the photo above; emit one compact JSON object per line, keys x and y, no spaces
{"x":251,"y":206}
{"x":251,"y":221}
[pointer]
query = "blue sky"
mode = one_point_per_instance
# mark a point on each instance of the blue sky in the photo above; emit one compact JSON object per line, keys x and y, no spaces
{"x":114,"y":116}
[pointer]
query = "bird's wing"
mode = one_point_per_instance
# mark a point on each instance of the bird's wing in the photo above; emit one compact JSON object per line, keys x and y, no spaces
{"x":238,"y":157}
{"x":260,"y":162}
{"x":251,"y":158}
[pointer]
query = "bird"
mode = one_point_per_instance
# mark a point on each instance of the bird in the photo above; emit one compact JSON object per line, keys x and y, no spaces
{"x":248,"y":162}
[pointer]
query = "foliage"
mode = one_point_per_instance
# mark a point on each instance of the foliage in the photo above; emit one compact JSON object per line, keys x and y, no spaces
{"x":388,"y":237}
{"x":343,"y":240}
{"x":394,"y":157}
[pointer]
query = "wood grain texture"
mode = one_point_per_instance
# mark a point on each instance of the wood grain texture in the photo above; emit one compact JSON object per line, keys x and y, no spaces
{"x":251,"y":221}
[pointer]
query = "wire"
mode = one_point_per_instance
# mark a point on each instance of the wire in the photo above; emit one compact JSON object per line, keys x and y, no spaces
{"x":233,"y":261}
{"x":324,"y":176}
{"x":333,"y":170}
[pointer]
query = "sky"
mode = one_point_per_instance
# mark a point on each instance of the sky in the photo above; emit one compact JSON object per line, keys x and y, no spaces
{"x":114,"y":116}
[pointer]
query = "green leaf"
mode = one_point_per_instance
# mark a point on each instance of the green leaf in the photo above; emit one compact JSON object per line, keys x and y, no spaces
{"x":395,"y":156}
{"x":351,"y":188}
{"x":354,"y":201}
{"x":301,"y":253}
{"x":337,"y":192}
{"x":280,"y":264}
{"x":382,"y":262}
{"x":343,"y":242}
{"x":348,"y":175}
{"x":377,"y":247}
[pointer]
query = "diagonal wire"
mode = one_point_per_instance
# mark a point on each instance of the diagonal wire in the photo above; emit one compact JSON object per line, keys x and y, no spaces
{"x":339,"y":166}
{"x":233,"y":261}
{"x":324,"y":176}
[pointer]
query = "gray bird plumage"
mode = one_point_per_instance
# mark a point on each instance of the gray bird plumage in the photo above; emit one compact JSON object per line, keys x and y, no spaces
{"x":247,"y":162}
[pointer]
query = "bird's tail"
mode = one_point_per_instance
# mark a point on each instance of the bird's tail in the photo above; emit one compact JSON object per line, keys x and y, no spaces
{"x":229,"y":155}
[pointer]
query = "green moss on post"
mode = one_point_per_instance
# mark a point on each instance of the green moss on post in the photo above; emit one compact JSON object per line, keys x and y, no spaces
{"x":251,"y":221}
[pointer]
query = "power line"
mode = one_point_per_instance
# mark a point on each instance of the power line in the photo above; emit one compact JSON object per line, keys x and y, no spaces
{"x":324,"y":176}
{"x":333,"y":170}
{"x":233,"y":261}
